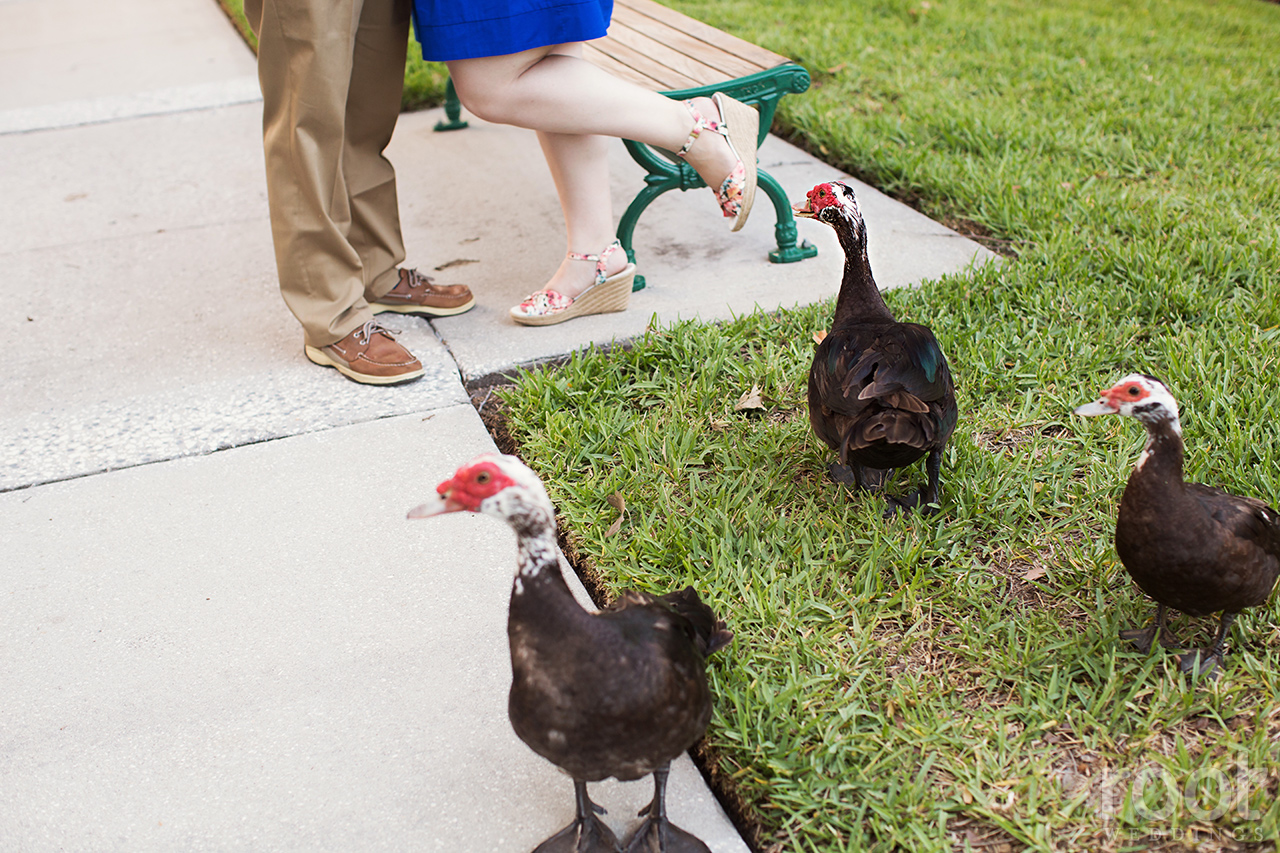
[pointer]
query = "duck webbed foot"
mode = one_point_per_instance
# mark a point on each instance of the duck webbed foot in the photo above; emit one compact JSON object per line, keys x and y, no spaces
{"x":587,"y":833}
{"x":924,"y":499}
{"x":1209,"y":662}
{"x":843,"y":475}
{"x":1206,"y":663}
{"x":859,"y":478}
{"x":1142,"y":638}
{"x":917,"y":499}
{"x":656,"y":834}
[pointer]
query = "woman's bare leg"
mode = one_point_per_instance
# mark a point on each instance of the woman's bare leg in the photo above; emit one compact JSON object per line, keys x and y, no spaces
{"x":555,"y":91}
{"x":580,"y":168}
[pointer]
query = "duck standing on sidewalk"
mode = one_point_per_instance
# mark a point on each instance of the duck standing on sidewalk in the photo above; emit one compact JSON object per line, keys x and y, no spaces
{"x":619,"y":693}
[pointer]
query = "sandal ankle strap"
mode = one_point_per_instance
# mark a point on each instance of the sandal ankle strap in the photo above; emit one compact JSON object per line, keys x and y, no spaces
{"x":600,"y":259}
{"x":700,"y":123}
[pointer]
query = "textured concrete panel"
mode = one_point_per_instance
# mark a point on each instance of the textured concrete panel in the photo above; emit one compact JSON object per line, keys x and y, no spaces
{"x":145,"y":321}
{"x":55,"y":51}
{"x":174,"y":99}
{"x":286,"y":396}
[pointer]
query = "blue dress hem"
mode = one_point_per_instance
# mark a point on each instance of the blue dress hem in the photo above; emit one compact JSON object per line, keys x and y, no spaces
{"x":448,"y":32}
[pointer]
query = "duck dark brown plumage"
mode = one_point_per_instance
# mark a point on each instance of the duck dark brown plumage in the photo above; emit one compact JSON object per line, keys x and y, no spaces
{"x":880,"y":391}
{"x":1191,"y":547}
{"x":619,"y":693}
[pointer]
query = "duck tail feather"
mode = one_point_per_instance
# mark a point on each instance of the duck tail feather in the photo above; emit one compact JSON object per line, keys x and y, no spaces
{"x":710,"y":632}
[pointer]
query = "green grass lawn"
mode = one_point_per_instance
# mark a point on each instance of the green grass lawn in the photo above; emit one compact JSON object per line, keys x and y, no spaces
{"x":955,"y":682}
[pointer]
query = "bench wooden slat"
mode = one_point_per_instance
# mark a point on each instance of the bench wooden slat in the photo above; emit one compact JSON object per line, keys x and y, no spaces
{"x":721,"y":64}
{"x":717,"y":38}
{"x":666,"y":78}
{"x":633,"y":53}
{"x":595,"y":56}
{"x":649,"y":51}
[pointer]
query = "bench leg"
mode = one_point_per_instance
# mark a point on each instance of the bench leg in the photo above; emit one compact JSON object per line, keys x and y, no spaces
{"x":452,"y":109}
{"x":655,"y":185}
{"x":788,"y":252}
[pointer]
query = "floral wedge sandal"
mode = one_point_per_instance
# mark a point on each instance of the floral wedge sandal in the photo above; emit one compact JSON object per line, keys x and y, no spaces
{"x":609,"y":293}
{"x":740,"y":126}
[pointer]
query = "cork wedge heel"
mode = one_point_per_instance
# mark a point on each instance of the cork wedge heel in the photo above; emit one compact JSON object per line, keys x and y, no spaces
{"x":608,"y":294}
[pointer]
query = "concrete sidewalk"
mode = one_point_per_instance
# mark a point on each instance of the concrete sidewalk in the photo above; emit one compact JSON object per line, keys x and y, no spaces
{"x":219,"y":632}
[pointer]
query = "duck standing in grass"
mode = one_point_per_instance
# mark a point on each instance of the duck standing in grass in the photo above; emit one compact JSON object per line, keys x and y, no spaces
{"x":1191,"y":547}
{"x":619,"y":693}
{"x":880,"y":391}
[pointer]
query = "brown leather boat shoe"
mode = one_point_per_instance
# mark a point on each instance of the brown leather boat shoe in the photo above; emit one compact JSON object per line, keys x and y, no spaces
{"x":369,"y":355}
{"x":416,"y":293}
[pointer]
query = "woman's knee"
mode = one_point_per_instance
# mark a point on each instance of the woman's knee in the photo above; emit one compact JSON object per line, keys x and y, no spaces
{"x":487,"y":86}
{"x":481,"y":101}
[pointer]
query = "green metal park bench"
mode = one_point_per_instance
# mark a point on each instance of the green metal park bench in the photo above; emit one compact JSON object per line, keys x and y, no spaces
{"x":673,"y":54}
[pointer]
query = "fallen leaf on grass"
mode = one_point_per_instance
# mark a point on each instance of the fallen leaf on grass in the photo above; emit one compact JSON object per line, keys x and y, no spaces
{"x":1034,"y":574}
{"x":615,"y":500}
{"x":750,"y":401}
{"x":819,"y":336}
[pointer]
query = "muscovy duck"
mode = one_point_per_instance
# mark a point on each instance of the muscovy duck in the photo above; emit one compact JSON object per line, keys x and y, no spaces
{"x":1191,"y":547}
{"x":880,"y":391}
{"x":617,"y":693}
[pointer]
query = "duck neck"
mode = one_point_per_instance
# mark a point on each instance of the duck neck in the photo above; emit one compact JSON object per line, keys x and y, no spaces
{"x":539,"y":586}
{"x":1159,"y":469}
{"x":536,"y":548}
{"x":859,"y":299}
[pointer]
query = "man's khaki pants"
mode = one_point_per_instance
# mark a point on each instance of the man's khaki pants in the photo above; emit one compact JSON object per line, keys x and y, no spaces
{"x":331,"y":72}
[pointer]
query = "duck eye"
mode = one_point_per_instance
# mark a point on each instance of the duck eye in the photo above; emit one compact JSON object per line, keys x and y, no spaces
{"x":1133,"y":391}
{"x":483,"y":477}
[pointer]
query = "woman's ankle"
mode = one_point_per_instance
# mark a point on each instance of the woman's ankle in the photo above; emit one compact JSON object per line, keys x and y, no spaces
{"x":573,"y":277}
{"x":710,"y":156}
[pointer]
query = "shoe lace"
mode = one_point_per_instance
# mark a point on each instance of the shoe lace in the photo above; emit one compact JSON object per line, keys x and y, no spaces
{"x":416,"y":279}
{"x":371,"y":328}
